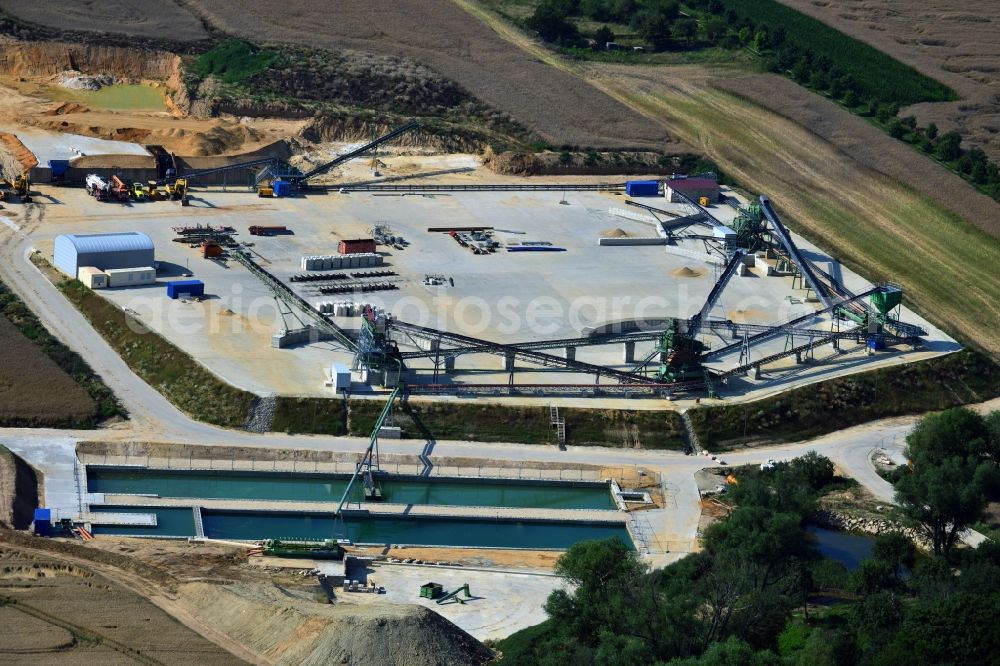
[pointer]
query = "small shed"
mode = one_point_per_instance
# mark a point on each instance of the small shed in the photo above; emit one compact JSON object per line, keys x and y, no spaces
{"x":692,"y":188}
{"x":92,"y":277}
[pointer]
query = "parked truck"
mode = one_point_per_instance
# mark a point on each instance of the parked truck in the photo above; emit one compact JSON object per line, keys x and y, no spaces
{"x":97,"y":187}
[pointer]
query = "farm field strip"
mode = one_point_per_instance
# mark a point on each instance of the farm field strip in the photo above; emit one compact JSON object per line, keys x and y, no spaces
{"x":947,"y":267}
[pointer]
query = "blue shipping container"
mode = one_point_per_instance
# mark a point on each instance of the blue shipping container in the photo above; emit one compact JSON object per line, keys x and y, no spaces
{"x":43,"y":522}
{"x":282,"y":188}
{"x":188,"y":288}
{"x":642,"y":188}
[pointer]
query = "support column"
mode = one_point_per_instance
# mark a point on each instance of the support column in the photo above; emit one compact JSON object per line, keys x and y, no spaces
{"x":449,"y":363}
{"x":754,"y":372}
{"x":508,"y":361}
{"x":570,"y":353}
{"x":629,"y":352}
{"x":798,"y":357}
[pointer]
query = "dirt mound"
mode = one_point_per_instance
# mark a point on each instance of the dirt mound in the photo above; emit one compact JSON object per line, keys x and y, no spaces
{"x":62,"y":108}
{"x":511,"y":163}
{"x":286,"y":628}
{"x":614,"y":233}
{"x":687,"y":272}
{"x":19,"y":151}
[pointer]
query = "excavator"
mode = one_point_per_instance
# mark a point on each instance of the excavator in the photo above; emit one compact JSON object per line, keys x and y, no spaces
{"x":21,"y":186}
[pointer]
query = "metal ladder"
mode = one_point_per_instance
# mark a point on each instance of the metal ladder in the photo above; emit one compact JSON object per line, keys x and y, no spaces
{"x":560,"y":425}
{"x":199,"y":526}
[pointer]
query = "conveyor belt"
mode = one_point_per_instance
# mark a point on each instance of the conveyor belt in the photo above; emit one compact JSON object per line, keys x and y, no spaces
{"x":340,"y":159}
{"x":781,"y":234}
{"x":531,"y":356}
{"x":549,"y":187}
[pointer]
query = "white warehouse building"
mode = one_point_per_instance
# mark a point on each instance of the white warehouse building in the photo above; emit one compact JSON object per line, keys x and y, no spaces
{"x":130,"y":249}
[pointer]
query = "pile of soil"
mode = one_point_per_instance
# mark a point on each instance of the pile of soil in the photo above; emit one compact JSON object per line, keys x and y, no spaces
{"x":19,"y":151}
{"x":511,"y":163}
{"x":62,"y":108}
{"x":688,"y":272}
{"x":286,"y":628}
{"x":614,"y":233}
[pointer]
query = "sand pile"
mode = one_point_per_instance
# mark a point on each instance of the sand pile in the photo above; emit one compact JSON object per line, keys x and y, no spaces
{"x":287,"y":628}
{"x":688,"y":272}
{"x":15,"y":156}
{"x":614,"y":233}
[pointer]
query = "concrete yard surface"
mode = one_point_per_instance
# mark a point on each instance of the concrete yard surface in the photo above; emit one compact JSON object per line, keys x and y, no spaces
{"x":503,"y":601}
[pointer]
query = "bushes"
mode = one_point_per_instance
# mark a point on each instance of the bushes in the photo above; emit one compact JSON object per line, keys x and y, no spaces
{"x":814,"y":410}
{"x":234,"y":61}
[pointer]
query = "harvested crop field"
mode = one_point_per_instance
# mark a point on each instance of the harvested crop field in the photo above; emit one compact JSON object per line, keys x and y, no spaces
{"x":884,"y":227}
{"x":137,"y":18}
{"x":558,"y":107}
{"x":55,"y":612}
{"x":955,"y":43}
{"x":34,"y":391}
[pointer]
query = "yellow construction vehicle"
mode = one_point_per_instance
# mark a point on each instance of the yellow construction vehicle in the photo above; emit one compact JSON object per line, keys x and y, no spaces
{"x":180,"y":188}
{"x":22,"y":187}
{"x":168,"y":190}
{"x":265,"y":191}
{"x":151,"y":190}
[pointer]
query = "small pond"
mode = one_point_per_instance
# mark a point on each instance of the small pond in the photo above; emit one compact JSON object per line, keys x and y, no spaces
{"x":844,"y":547}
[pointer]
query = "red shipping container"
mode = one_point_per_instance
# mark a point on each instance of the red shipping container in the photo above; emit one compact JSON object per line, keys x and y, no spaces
{"x":357,"y":246}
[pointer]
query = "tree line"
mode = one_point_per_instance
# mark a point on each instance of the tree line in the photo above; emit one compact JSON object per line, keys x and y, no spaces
{"x":760,"y":593}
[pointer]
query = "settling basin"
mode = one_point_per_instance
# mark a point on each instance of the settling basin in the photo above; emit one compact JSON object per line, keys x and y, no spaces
{"x":313,"y":487}
{"x":364,"y":529}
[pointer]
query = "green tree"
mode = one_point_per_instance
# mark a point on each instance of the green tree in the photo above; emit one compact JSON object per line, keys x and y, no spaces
{"x":714,"y":28}
{"x":943,"y":498}
{"x":960,"y":629}
{"x":686,"y":29}
{"x":603,"y":35}
{"x":949,"y":146}
{"x":653,"y":22}
{"x":850,"y":99}
{"x":956,"y":431}
{"x":549,"y":20}
{"x":896,"y":551}
{"x":897,"y":129}
{"x":931,"y":131}
{"x":814,"y":470}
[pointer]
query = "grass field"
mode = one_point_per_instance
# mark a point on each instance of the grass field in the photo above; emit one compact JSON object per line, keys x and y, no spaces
{"x":185,"y":383}
{"x":814,"y":410}
{"x":486,"y":422}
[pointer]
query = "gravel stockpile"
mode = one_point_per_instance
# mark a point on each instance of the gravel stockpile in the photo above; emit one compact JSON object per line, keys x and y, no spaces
{"x":289,"y":629}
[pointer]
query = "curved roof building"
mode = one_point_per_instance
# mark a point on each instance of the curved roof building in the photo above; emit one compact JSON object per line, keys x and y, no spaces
{"x":129,"y":249}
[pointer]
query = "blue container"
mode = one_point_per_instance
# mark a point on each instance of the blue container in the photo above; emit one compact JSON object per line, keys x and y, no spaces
{"x":57,"y":169}
{"x":642,"y":188}
{"x":187,"y":288}
{"x":282,"y":188}
{"x":43,"y":522}
{"x":876,"y":342}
